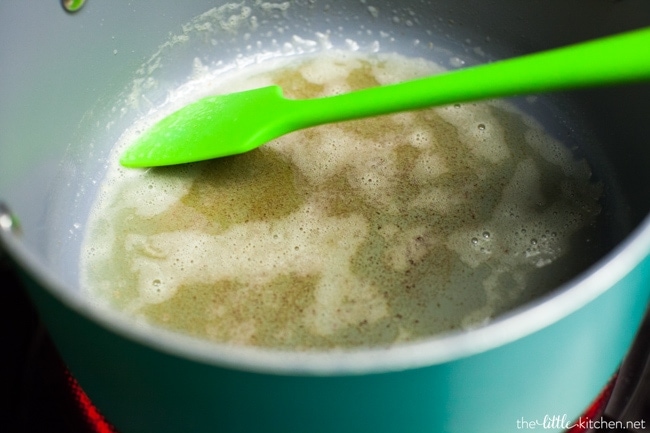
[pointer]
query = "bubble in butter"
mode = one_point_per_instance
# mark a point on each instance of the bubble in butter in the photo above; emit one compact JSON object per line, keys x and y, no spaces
{"x":363,"y":233}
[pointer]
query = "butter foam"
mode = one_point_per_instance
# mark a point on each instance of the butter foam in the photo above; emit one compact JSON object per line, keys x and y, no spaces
{"x":362,"y":233}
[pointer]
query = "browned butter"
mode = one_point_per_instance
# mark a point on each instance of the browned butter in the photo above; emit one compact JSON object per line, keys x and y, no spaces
{"x":363,"y":233}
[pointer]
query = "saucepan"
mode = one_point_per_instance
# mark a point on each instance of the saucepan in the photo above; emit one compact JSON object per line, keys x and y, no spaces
{"x":72,"y":82}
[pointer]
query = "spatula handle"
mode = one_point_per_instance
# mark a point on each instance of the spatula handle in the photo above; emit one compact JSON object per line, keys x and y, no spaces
{"x":623,"y":58}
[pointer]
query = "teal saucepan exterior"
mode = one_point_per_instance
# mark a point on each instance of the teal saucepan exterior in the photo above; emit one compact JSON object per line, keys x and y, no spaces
{"x":555,"y":371}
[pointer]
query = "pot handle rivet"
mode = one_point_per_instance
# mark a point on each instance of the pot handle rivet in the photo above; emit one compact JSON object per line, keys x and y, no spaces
{"x":72,"y":5}
{"x":8,"y":221}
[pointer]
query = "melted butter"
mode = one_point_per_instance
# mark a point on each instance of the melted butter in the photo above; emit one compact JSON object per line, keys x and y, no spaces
{"x":362,"y":233}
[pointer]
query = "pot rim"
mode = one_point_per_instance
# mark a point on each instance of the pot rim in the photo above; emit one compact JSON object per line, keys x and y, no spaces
{"x":513,"y":325}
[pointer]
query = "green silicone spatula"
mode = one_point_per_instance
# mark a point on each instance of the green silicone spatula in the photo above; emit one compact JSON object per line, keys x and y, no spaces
{"x":223,"y":125}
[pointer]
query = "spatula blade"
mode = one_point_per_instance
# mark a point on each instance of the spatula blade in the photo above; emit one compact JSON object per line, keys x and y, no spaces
{"x":197,"y":131}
